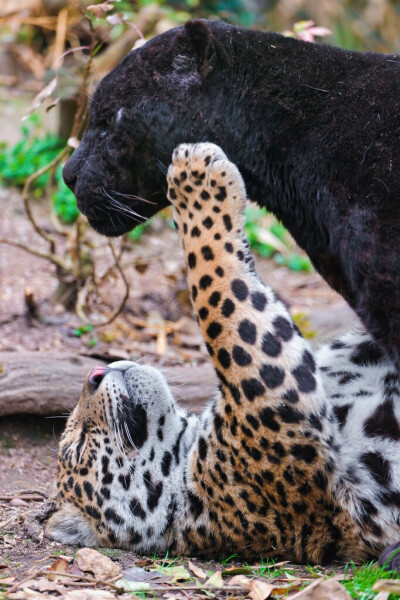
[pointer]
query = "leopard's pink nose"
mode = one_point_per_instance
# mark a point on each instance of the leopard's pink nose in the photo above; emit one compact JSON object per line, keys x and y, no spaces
{"x":96,"y":376}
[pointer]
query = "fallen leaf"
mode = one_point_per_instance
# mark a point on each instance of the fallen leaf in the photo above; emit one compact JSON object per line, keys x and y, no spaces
{"x":18,"y":502}
{"x":7,"y":580}
{"x":137,"y":574}
{"x":57,"y":569}
{"x":86,"y":594}
{"x":28,"y":594}
{"x":44,"y":585}
{"x":132,"y":586}
{"x":215,"y":580}
{"x":382,"y":596}
{"x":260,"y":590}
{"x":197,"y":570}
{"x":101,"y":566}
{"x":237,"y":571}
{"x":240,"y":580}
{"x":322,"y":589}
{"x":146,"y":562}
{"x":178,"y":573}
{"x":141,"y":267}
{"x":387,"y":585}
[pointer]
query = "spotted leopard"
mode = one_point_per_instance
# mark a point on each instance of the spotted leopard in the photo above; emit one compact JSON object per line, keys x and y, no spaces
{"x":296,"y":457}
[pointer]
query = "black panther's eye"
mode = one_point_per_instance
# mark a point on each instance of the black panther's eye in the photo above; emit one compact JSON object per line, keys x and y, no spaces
{"x":110,"y":121}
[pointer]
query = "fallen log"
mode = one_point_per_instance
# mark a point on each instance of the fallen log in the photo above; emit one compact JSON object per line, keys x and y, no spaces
{"x":50,"y":383}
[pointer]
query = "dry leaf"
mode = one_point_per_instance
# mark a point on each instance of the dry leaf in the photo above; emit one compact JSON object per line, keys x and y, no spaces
{"x":18,"y":502}
{"x":240,"y":580}
{"x":260,"y":590}
{"x":137,"y":574}
{"x":387,"y":585}
{"x":86,"y":594}
{"x":132,"y":586}
{"x":101,"y":566}
{"x":41,"y":97}
{"x":197,"y":570}
{"x":100,"y":10}
{"x":57,"y":569}
{"x":215,"y":580}
{"x":323,"y":589}
{"x":117,"y":19}
{"x":44,"y":585}
{"x":28,"y":594}
{"x":178,"y":573}
{"x":382,"y":596}
{"x":237,"y":571}
{"x":141,"y":267}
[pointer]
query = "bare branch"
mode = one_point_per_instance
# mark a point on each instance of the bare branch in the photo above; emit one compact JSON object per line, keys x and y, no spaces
{"x":53,"y":258}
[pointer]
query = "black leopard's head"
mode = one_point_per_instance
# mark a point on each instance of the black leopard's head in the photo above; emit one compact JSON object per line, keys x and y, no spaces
{"x":160,"y":95}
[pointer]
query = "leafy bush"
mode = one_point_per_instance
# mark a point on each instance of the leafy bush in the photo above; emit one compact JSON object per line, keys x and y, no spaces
{"x":30,"y":154}
{"x":269,"y":238}
{"x":64,"y":200}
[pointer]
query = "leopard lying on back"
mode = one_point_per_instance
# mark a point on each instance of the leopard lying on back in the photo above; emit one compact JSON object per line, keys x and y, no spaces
{"x":297,"y":457}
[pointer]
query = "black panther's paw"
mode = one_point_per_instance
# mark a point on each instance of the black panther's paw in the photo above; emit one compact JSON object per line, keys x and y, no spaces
{"x":390,"y":557}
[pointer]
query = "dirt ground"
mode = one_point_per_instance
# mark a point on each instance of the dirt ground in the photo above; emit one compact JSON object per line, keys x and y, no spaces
{"x":158,"y":302}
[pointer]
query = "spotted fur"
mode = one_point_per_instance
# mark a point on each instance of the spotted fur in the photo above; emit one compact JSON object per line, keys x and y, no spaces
{"x":297,"y":457}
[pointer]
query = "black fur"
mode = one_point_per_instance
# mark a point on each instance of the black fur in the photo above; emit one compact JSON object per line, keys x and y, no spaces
{"x":314,"y":130}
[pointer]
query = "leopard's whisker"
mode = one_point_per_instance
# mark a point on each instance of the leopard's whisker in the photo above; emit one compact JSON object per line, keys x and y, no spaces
{"x":128,"y":435}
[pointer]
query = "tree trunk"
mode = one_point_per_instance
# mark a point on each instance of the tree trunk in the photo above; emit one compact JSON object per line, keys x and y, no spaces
{"x":50,"y":383}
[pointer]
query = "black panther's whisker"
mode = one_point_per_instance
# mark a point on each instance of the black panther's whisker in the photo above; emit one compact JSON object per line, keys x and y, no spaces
{"x":163,"y":168}
{"x":132,"y":197}
{"x":119,"y":207}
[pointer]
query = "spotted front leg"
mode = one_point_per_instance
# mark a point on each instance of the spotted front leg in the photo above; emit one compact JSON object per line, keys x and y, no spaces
{"x":249,"y":333}
{"x":271,"y":412}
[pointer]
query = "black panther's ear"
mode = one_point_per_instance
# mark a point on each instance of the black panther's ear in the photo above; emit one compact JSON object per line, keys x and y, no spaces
{"x":202,"y":41}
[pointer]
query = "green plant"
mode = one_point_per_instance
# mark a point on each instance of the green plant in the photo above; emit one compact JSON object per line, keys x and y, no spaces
{"x":31,"y":153}
{"x":269,"y":238}
{"x":64,"y":200}
{"x":137,"y":233}
{"x":362,"y":579}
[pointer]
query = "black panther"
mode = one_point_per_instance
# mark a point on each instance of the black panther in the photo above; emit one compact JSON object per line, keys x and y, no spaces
{"x":313,"y":129}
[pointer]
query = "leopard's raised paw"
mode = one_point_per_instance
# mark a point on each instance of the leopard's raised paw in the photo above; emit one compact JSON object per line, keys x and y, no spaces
{"x":201,"y":177}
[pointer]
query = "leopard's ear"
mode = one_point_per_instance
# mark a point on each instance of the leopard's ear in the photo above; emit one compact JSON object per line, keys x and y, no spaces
{"x":199,"y":39}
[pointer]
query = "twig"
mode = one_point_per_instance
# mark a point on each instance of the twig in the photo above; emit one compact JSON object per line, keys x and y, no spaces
{"x":25,"y":195}
{"x":83,"y":293}
{"x":45,"y":573}
{"x":124,"y":279}
{"x":26,"y":498}
{"x":27,"y":491}
{"x":53,"y":258}
{"x":118,"y":589}
{"x":14,"y":519}
{"x":175,"y":588}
